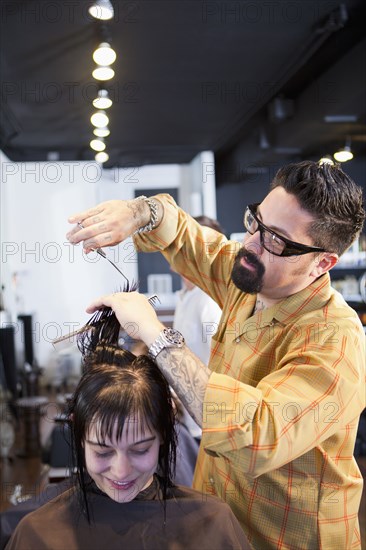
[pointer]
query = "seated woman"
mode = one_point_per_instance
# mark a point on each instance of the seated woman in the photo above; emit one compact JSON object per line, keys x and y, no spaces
{"x":123,"y":435}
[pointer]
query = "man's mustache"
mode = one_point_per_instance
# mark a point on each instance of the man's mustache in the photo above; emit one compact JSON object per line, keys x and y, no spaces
{"x":250,"y":258}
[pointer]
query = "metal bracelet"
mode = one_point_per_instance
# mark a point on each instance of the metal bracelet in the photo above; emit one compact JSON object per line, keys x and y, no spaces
{"x":153,"y":216}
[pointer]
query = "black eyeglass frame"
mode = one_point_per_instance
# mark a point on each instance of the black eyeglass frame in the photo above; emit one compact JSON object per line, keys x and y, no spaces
{"x":292,"y":248}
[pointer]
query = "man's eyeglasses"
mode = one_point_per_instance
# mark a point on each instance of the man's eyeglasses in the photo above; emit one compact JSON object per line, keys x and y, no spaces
{"x":270,"y":240}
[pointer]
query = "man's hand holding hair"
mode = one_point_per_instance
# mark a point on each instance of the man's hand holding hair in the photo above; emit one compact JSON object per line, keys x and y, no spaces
{"x":134,"y":313}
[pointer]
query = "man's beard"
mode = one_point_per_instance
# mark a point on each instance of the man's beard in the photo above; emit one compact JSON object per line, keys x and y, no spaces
{"x":245,"y":279}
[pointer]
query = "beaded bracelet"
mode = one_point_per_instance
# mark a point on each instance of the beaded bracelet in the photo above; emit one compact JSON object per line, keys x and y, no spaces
{"x":153,"y":216}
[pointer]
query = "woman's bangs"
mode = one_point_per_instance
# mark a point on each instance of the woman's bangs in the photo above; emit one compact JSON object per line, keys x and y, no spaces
{"x":114,"y":421}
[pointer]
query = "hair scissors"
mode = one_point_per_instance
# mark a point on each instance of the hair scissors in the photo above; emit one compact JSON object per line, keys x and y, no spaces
{"x":104,"y":255}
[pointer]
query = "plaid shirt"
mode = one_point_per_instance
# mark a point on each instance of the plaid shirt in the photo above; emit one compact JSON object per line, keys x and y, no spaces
{"x":282,"y":405}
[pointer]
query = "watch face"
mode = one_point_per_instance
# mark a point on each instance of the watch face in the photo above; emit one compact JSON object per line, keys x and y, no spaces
{"x":168,"y":338}
{"x":174,"y":337}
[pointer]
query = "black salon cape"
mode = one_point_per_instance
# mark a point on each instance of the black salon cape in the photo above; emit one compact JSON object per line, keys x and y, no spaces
{"x":193,"y":521}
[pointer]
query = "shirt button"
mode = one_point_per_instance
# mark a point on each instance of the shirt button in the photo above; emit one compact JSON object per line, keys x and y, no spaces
{"x":237,"y":340}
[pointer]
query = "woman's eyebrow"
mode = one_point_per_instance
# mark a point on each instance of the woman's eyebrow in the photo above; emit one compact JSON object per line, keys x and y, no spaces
{"x":147,"y":440}
{"x":101,"y":444}
{"x":278,"y":230}
{"x":98,"y":443}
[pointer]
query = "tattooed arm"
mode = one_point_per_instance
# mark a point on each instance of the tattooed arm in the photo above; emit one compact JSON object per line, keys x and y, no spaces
{"x":188,"y":376}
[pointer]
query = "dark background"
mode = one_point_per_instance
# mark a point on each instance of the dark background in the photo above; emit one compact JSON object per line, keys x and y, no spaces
{"x":258,"y":83}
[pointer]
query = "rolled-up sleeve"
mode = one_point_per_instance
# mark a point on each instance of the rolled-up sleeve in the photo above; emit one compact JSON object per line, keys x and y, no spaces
{"x":199,"y":253}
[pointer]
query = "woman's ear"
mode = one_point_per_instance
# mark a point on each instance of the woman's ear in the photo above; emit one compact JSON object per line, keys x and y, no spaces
{"x":324,"y":262}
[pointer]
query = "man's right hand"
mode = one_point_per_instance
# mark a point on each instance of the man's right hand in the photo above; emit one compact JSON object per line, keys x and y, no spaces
{"x":134,"y":313}
{"x":108,"y":223}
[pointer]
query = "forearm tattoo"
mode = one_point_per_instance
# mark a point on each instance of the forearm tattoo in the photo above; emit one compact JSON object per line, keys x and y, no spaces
{"x":139,"y":211}
{"x":187,"y":375}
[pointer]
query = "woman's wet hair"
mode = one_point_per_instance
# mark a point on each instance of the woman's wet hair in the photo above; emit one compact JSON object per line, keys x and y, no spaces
{"x":115,"y":387}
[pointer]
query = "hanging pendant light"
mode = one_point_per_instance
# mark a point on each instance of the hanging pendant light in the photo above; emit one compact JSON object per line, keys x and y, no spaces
{"x":345,"y":154}
{"x":104,"y":54}
{"x":102,"y":9}
{"x":102,"y":157}
{"x":99,"y":119}
{"x":103,"y":73}
{"x":103,"y":100}
{"x":101,"y":132}
{"x":97,"y":144}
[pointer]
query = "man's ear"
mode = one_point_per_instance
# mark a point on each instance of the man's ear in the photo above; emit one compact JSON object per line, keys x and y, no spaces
{"x":324,"y":262}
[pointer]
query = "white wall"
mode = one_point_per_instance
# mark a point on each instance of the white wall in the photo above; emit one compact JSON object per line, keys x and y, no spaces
{"x":197,"y":191}
{"x":43,"y":274}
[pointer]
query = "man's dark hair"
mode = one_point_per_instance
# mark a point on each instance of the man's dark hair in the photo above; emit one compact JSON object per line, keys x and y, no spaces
{"x":331,"y":196}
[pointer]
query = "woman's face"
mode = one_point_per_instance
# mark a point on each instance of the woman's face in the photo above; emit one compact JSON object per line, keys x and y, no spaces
{"x":122,"y":468}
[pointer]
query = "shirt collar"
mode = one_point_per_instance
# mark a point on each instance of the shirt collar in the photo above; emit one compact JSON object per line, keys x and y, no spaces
{"x":314,"y":296}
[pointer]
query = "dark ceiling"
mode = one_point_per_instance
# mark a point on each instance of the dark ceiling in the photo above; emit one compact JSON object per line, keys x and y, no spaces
{"x":253,"y":81}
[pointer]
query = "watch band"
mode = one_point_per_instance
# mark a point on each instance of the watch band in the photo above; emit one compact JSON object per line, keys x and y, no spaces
{"x":168,"y":338}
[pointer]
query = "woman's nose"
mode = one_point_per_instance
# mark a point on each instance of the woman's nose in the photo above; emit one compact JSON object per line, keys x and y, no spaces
{"x":121,"y":468}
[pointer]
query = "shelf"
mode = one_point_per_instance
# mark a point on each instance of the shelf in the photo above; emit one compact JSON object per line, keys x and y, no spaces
{"x":349,"y":267}
{"x":354,"y":258}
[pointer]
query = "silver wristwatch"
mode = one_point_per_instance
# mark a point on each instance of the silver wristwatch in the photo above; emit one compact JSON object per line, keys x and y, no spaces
{"x":168,"y":338}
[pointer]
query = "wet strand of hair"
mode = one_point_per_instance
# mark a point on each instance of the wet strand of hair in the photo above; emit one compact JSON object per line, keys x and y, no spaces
{"x":103,"y":326}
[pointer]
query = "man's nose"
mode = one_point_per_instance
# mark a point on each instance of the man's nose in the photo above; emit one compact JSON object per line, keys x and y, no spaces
{"x":253,"y":243}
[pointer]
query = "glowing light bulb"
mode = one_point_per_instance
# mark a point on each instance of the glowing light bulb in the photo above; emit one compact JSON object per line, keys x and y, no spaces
{"x":102,"y":9}
{"x":104,"y":54}
{"x":101,"y":132}
{"x":97,"y":144}
{"x":344,"y":154}
{"x":99,"y":119}
{"x":102,"y":157}
{"x":102,"y":101}
{"x":103,"y":73}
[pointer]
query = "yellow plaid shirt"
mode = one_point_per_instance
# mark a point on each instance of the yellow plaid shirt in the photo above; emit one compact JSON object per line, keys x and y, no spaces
{"x":283,"y":401}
